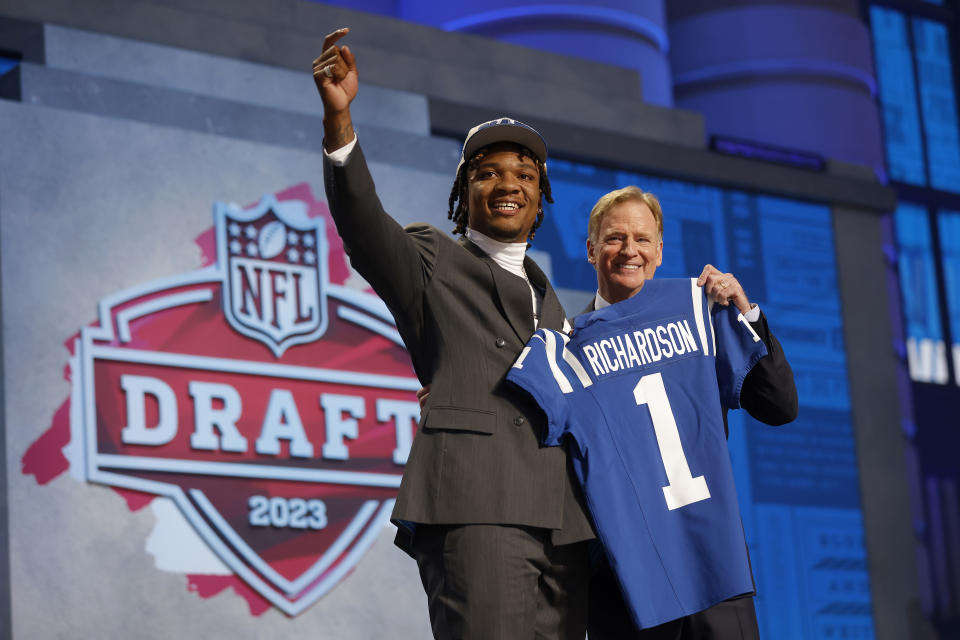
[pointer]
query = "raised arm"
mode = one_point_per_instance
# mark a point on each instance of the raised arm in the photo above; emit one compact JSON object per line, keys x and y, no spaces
{"x":397,"y":263}
{"x":335,"y":74}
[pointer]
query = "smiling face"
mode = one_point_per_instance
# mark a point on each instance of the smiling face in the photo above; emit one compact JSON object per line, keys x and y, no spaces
{"x":503,"y":193}
{"x":626,"y":251}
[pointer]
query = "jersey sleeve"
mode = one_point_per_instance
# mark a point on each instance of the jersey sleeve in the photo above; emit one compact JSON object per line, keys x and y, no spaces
{"x":552,"y":376}
{"x":738,"y":348}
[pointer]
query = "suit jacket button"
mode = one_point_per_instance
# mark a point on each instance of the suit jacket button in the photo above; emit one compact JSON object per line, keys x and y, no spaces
{"x":519,"y":421}
{"x":500,"y":342}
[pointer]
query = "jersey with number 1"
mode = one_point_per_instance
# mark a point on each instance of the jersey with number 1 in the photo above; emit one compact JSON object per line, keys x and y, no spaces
{"x":637,"y":396}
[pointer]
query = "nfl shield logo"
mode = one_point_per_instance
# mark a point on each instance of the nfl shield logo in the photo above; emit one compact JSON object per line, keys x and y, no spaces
{"x":272,"y":288}
{"x":285,"y":462}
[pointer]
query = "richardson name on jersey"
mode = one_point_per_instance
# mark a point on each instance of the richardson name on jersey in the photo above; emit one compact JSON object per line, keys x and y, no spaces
{"x":622,"y":352}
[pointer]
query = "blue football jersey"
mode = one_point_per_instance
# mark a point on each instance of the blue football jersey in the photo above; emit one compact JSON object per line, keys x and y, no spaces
{"x":636,"y":394}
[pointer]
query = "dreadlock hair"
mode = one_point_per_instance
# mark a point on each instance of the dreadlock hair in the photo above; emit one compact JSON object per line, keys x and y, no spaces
{"x":457,"y":209}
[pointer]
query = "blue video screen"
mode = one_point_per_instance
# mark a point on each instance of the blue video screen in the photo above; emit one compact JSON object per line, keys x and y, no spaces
{"x":926,"y":355}
{"x":898,"y":96}
{"x":938,"y":103}
{"x":948,"y":223}
{"x":915,"y":79}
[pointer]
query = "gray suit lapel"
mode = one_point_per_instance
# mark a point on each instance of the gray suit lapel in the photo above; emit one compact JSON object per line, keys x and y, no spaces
{"x":512,"y":293}
{"x":551,"y":311}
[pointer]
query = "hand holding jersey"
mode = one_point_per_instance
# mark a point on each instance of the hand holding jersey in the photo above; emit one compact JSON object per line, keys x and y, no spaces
{"x":723,"y":288}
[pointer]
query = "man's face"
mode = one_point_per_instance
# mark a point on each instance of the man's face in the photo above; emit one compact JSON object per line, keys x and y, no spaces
{"x":627,"y":252}
{"x":503,"y":194}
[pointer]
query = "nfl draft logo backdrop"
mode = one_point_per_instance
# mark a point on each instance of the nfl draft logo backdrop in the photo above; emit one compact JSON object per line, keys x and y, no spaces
{"x":273,"y":406}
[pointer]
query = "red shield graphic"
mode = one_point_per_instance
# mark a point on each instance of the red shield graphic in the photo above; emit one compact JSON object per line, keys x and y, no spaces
{"x":273,"y":407}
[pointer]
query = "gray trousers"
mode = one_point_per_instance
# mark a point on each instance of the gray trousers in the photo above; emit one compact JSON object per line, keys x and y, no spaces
{"x":495,"y":582}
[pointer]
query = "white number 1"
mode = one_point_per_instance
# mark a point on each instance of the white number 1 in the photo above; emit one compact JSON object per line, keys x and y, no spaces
{"x":682,"y":488}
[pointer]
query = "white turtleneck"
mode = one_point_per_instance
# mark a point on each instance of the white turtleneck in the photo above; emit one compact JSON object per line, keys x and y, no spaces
{"x":509,"y":256}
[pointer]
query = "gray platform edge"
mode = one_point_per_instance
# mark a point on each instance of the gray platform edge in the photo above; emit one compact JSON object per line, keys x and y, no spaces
{"x":289,"y":33}
{"x":393,"y":54}
{"x":216,"y":94}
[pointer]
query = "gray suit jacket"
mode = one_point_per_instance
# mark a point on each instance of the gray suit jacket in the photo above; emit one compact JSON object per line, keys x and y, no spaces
{"x":476,"y":457}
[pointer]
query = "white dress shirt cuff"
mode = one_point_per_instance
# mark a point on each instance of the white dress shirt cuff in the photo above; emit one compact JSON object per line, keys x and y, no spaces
{"x":339,"y":157}
{"x":753,"y":315}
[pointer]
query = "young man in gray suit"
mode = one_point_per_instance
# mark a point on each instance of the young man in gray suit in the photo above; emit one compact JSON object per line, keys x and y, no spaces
{"x":493,"y":519}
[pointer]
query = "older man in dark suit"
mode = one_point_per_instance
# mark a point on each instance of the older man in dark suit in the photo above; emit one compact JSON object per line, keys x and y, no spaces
{"x":493,"y":519}
{"x":625,"y":245}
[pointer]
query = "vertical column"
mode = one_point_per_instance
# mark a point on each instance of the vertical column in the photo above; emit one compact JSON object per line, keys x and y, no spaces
{"x":794,"y":76}
{"x":617,"y":32}
{"x":880,"y":395}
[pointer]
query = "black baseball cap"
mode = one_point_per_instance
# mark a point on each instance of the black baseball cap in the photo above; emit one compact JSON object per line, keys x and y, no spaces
{"x":503,"y":130}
